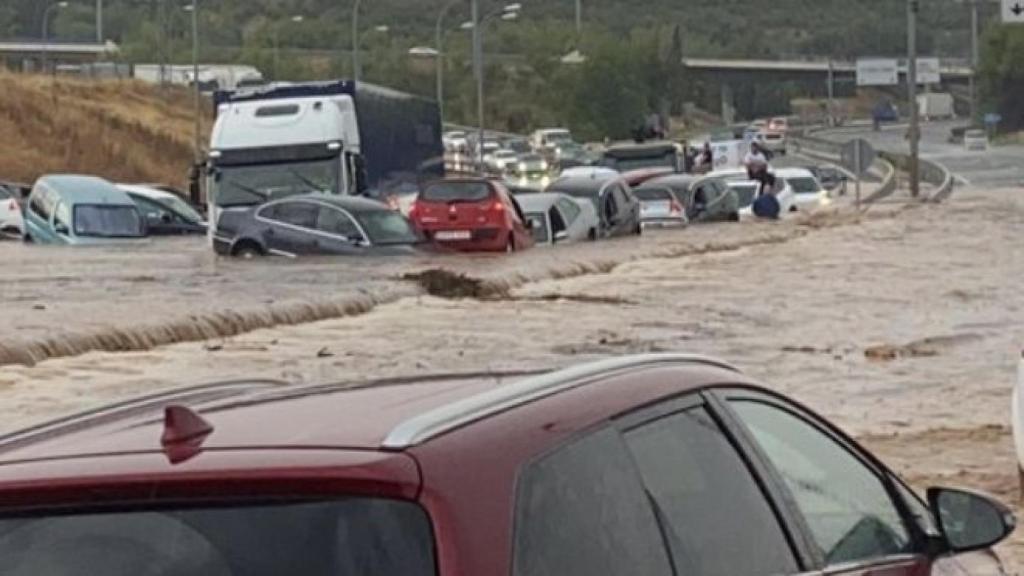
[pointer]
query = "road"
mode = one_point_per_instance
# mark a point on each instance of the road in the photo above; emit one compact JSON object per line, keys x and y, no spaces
{"x":999,"y":166}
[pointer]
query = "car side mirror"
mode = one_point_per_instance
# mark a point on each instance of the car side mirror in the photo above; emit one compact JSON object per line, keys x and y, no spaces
{"x":61,"y":228}
{"x":970,"y":520}
{"x":561,"y":236}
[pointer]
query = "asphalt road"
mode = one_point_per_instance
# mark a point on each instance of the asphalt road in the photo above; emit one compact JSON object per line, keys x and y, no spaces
{"x":997,"y":167}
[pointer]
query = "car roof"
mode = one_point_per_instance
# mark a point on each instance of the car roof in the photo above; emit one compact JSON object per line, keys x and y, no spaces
{"x":794,"y":173}
{"x":386,"y":415}
{"x":148,"y":192}
{"x":538,"y":201}
{"x":350,"y":203}
{"x":592,"y":183}
{"x":85,"y":189}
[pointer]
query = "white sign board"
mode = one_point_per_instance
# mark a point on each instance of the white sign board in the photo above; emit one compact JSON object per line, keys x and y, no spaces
{"x":877,"y":72}
{"x":1013,"y":11}
{"x":928,"y":71}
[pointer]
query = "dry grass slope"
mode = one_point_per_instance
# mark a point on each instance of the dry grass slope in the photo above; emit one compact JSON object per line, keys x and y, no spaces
{"x":125,"y":131}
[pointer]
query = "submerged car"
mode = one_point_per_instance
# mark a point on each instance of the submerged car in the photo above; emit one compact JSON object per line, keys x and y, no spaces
{"x":314,"y":224}
{"x":808,"y":193}
{"x":72,"y":209}
{"x":165,"y":212}
{"x":649,"y":465}
{"x":471,"y":214}
{"x":11,"y":221}
{"x":704,"y":199}
{"x":557,"y":218}
{"x":617,"y":207}
{"x":659,"y":207}
{"x":783,"y":191}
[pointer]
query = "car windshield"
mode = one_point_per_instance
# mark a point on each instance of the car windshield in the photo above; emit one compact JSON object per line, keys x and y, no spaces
{"x":387,"y":227}
{"x":181,"y":207}
{"x":250,"y":185}
{"x":652,"y":194}
{"x":109,"y":221}
{"x":353,"y":537}
{"x":452,"y":192}
{"x":539,"y":222}
{"x":804,"y":185}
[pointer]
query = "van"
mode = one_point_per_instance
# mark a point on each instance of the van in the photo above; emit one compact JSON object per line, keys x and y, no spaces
{"x":70,"y":209}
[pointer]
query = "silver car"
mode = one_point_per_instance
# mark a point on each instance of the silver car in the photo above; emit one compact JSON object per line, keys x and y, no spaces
{"x":557,"y":217}
{"x":659,"y":207}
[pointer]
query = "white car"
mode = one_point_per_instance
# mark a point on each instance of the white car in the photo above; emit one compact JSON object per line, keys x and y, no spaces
{"x":11,"y":221}
{"x":975,"y":140}
{"x":455,"y":141}
{"x":498,"y":162}
{"x":556,"y":217}
{"x":589,"y":172}
{"x":808,"y":193}
{"x":738,"y":180}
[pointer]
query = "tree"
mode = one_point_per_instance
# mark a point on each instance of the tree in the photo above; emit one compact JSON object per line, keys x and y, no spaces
{"x":1002,"y":74}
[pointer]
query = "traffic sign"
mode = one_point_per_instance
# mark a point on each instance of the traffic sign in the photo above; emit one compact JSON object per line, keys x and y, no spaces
{"x":857,"y":156}
{"x":993,"y":118}
{"x":1013,"y":11}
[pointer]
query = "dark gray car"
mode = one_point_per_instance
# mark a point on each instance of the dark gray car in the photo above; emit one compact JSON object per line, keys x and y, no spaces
{"x":314,"y":224}
{"x":617,"y":207}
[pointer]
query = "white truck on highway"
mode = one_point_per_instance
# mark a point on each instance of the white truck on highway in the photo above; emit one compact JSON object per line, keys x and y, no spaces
{"x":331,"y":138}
{"x":935,"y":105}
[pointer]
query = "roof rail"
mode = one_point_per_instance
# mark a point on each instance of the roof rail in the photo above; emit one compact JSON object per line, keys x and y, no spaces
{"x":150,"y":401}
{"x":441,"y":420}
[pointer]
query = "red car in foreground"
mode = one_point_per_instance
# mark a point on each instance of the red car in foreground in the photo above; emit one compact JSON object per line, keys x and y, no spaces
{"x":643,"y":466}
{"x":471,"y":214}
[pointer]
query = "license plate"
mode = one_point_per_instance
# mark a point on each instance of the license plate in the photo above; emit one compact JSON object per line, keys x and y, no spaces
{"x":449,"y":235}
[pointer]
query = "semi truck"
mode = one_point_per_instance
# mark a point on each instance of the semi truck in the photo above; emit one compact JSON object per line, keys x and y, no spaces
{"x":332,"y":138}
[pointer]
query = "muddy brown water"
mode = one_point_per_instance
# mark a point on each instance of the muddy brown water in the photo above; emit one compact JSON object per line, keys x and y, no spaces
{"x":797,"y":307}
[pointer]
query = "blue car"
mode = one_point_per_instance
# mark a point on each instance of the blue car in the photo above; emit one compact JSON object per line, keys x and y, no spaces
{"x":67,"y":209}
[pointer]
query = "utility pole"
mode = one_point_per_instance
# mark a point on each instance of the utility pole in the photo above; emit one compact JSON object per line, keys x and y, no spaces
{"x":197,"y":145}
{"x":99,"y":21}
{"x":974,"y":61}
{"x":831,"y":92}
{"x":478,"y":65}
{"x":913,"y":7}
{"x":579,"y":19}
{"x":355,"y":40}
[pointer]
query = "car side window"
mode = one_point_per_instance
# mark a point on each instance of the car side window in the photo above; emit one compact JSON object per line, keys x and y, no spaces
{"x":334,"y":221}
{"x":582,"y":510}
{"x":709,"y":503}
{"x":153,"y":210}
{"x":302,"y":214}
{"x":847,"y":507}
{"x":611,"y":205}
{"x":41,"y":204}
{"x":570,"y":210}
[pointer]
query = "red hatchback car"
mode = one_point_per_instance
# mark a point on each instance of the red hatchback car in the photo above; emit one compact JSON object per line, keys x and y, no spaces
{"x":472,"y":214}
{"x":642,"y":466}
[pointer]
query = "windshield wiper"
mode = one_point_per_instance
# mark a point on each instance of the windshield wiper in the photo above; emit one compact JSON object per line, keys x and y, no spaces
{"x":305,"y":180}
{"x":254,"y":191}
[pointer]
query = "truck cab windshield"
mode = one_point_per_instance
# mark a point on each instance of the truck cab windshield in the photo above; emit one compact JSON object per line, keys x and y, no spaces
{"x":256,"y":184}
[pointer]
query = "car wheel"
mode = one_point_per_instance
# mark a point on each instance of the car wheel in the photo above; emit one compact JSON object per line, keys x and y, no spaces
{"x":247,"y":251}
{"x":27,"y":238}
{"x":734,"y":217}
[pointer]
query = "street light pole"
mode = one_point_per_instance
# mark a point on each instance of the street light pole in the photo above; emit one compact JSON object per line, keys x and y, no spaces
{"x":439,"y":59}
{"x":974,"y":61}
{"x":579,"y":19}
{"x":99,"y":21}
{"x":197,"y":144}
{"x":478,"y":68}
{"x":46,"y":32}
{"x":913,"y":7}
{"x":355,"y":40}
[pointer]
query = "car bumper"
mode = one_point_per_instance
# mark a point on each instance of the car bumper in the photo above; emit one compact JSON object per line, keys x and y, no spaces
{"x":481,"y":240}
{"x":663,"y":222}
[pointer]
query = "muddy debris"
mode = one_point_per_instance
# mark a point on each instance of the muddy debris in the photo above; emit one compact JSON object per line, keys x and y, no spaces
{"x":452,"y":285}
{"x":578,"y":298}
{"x":324,"y":352}
{"x":923,"y":348}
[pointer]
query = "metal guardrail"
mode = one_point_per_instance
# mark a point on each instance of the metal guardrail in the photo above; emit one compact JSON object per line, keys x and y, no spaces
{"x":816,"y":147}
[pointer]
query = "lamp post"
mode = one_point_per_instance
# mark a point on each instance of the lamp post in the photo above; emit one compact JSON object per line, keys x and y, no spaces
{"x":439,"y":59}
{"x":46,"y":31}
{"x":197,"y":146}
{"x":355,"y":40}
{"x":913,"y":7}
{"x":508,"y":12}
{"x":99,"y":21}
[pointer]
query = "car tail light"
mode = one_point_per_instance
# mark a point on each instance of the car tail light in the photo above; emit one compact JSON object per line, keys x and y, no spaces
{"x":498,"y":206}
{"x":414,"y":210}
{"x":676,"y":208}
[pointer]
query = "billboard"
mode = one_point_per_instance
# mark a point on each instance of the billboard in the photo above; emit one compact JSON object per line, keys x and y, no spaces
{"x":928,"y":71}
{"x":878,"y":72}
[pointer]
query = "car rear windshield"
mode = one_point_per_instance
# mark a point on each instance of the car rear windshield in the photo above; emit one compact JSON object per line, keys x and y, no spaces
{"x":107,"y":221}
{"x":804,"y":185}
{"x":387,"y":227}
{"x":456,"y":192}
{"x":652,"y":194}
{"x":353,"y":537}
